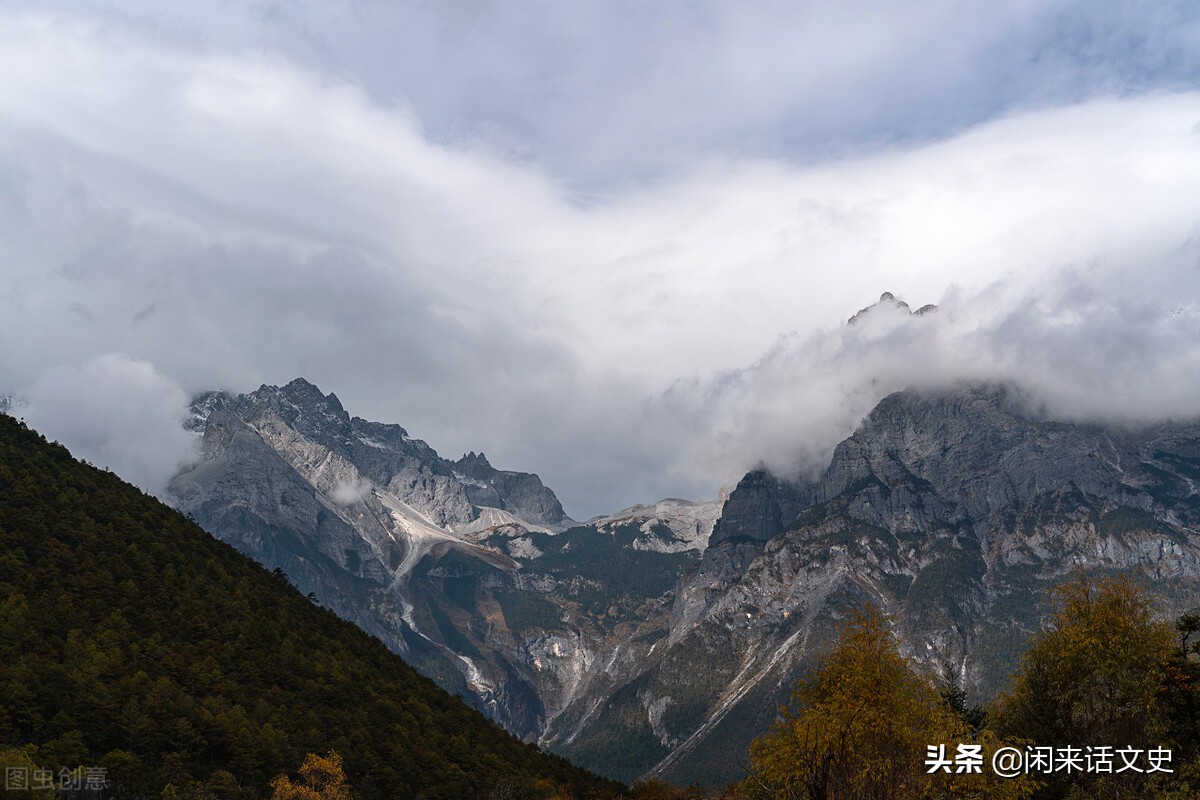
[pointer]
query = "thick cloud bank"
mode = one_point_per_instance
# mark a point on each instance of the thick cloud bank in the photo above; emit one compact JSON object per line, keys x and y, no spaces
{"x":241,"y":215}
{"x":1114,"y":344}
{"x":603,"y":92}
{"x":115,"y":412}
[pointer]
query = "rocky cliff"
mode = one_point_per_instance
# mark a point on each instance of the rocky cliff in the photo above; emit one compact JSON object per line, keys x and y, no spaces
{"x":955,"y":512}
{"x":661,"y":639}
{"x":474,"y":574}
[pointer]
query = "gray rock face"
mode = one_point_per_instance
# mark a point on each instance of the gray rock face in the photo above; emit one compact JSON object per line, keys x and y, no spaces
{"x":447,"y":493}
{"x":955,"y":512}
{"x":384,"y":454}
{"x":979,"y":450}
{"x":245,"y":490}
{"x":668,"y":526}
{"x":518,"y":492}
{"x":474,"y":574}
{"x":761,"y":507}
{"x":641,"y":643}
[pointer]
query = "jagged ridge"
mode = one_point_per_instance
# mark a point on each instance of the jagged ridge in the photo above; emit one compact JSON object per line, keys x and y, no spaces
{"x":472,"y":573}
{"x":130,"y":638}
{"x":618,"y":643}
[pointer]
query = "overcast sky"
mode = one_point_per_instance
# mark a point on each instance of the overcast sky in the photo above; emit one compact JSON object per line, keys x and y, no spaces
{"x":612,"y":243}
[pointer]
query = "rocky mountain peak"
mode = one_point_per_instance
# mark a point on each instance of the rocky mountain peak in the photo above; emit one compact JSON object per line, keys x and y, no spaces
{"x":981,"y":448}
{"x":472,"y":463}
{"x":761,"y":507}
{"x":298,"y":405}
{"x":308,"y":397}
{"x":309,"y":427}
{"x":203,"y":406}
{"x":671,"y":525}
{"x":888,"y":301}
{"x":954,"y":510}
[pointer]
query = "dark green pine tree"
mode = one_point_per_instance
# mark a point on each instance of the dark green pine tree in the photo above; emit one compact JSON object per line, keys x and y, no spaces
{"x":132,"y":640}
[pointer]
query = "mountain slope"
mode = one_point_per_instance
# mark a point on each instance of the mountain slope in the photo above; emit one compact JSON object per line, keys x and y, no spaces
{"x":954,"y":511}
{"x":131,"y":638}
{"x":474,"y":574}
{"x":661,"y":639}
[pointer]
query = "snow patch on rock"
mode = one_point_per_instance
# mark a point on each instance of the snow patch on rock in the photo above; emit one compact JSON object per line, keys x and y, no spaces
{"x":688,"y":524}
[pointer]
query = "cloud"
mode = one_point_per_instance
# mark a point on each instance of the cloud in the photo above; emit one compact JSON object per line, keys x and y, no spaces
{"x":1110,"y":342}
{"x":345,"y":494}
{"x":603,"y":93}
{"x":115,"y":412}
{"x":238,"y":215}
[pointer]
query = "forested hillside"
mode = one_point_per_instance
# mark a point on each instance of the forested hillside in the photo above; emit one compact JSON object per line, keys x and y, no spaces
{"x":132,"y":640}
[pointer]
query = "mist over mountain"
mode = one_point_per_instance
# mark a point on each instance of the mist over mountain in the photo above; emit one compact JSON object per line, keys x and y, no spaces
{"x":659,"y":640}
{"x":953,"y":510}
{"x":1096,"y":345}
{"x":114,"y":412}
{"x":540,"y":341}
{"x":1084,"y":347}
{"x":490,"y":300}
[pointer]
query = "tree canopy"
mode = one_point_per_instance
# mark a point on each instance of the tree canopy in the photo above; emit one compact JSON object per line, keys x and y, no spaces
{"x":321,"y":778}
{"x":1106,"y":672}
{"x":860,"y":726}
{"x":133,"y":641}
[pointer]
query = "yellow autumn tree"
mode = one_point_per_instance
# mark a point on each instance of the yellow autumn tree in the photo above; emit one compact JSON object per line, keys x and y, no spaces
{"x":1095,"y":672}
{"x":321,"y":778}
{"x":860,"y":726}
{"x":1094,"y":677}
